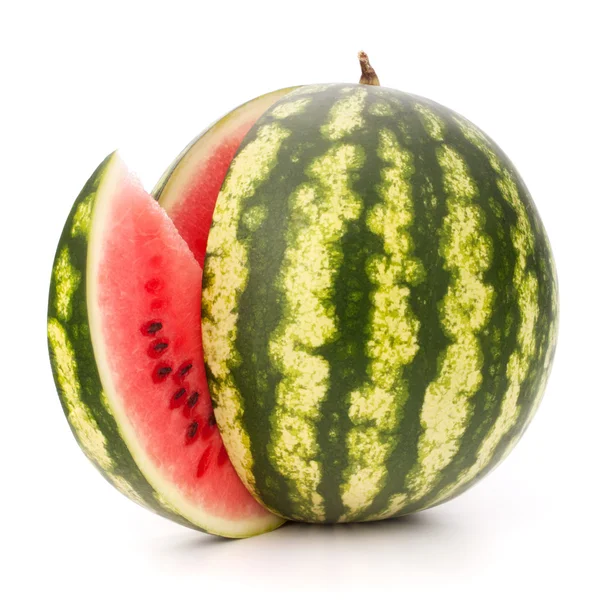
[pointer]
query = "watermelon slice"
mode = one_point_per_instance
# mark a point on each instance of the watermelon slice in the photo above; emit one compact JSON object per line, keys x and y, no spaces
{"x":126,"y":351}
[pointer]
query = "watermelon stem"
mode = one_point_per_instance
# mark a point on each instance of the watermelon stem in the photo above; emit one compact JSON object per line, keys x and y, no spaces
{"x":368,"y":76}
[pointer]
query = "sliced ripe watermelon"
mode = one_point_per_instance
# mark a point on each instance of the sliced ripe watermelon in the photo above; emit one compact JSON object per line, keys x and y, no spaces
{"x":189,"y":188}
{"x":142,"y":293}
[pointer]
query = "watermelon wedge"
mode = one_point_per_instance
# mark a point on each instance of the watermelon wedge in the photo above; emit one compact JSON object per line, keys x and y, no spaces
{"x":126,"y":352}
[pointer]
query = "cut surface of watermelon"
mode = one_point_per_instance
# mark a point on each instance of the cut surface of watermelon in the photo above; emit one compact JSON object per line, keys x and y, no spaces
{"x":189,"y":188}
{"x":143,"y":291}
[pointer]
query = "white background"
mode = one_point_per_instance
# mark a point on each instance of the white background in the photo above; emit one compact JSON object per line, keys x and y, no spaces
{"x":79,"y":79}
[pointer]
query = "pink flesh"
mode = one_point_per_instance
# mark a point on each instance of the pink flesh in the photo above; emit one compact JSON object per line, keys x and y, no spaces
{"x":193,"y":213}
{"x":147,"y":275}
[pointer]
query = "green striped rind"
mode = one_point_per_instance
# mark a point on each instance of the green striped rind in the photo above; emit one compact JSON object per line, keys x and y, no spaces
{"x":376,"y":406}
{"x":381,"y":304}
{"x":74,"y":366}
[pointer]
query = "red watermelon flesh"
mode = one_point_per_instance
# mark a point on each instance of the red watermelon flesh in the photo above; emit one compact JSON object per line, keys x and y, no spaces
{"x":188,"y":190}
{"x":144,"y":299}
{"x":193,"y":215}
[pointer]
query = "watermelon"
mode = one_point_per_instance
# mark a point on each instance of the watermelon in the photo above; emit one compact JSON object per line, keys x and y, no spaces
{"x":379,"y":304}
{"x":126,"y":352}
{"x":379,"y":313}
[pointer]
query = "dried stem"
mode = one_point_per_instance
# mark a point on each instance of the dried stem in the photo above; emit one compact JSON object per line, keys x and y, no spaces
{"x":368,"y":76}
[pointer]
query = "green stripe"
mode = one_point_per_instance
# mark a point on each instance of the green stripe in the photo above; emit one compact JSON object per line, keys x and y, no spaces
{"x":255,"y":376}
{"x":352,"y":289}
{"x":464,"y":312}
{"x":539,"y":262}
{"x":325,"y":205}
{"x":371,"y":475}
{"x":499,"y":338}
{"x":376,"y":407}
{"x":525,"y":282}
{"x":542,"y":263}
{"x":351,"y":299}
{"x":429,"y":210}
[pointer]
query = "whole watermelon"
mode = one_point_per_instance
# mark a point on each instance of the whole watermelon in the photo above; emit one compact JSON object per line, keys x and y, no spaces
{"x":379,"y":305}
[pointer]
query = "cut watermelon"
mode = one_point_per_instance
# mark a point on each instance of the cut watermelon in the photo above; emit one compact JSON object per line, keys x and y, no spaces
{"x":189,"y":188}
{"x":126,"y":350}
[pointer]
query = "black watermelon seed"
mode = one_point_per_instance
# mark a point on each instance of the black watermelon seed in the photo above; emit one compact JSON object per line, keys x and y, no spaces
{"x":161,"y":372}
{"x":185,"y":370}
{"x":177,"y":399}
{"x":192,"y":429}
{"x":158,"y":347}
{"x":151,"y":327}
{"x":193,"y":399}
